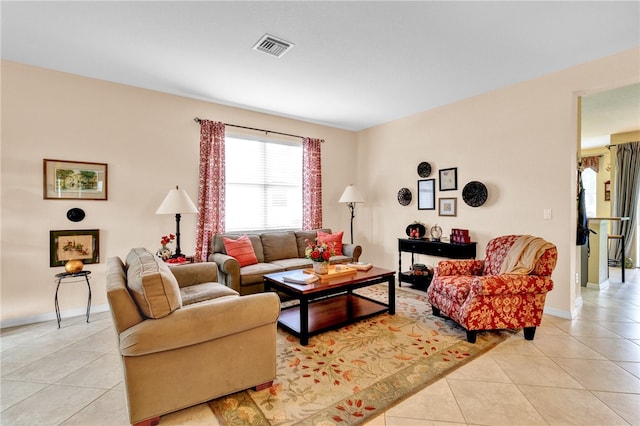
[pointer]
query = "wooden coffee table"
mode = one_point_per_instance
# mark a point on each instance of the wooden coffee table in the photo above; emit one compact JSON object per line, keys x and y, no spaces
{"x":330,"y":304}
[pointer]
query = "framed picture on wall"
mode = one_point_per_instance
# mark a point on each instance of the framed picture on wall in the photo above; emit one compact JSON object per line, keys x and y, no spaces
{"x":64,"y":180}
{"x":447,"y":207}
{"x":426,"y":194}
{"x":81,"y":244}
{"x":449,"y":179}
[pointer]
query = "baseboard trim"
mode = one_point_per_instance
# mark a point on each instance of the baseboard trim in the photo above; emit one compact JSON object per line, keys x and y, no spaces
{"x":51,"y":316}
{"x":601,"y":286}
{"x":558,"y":313}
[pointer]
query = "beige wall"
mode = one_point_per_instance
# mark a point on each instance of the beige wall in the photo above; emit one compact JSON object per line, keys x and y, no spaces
{"x":150,"y":143}
{"x":521,"y":141}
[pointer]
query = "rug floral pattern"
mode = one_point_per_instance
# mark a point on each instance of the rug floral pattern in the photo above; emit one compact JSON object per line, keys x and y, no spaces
{"x":352,"y":374}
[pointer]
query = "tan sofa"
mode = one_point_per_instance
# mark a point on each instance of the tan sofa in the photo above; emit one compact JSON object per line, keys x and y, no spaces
{"x":276,"y":252}
{"x":183,"y":337}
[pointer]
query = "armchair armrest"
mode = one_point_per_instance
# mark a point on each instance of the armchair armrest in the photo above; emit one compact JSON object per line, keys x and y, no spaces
{"x":460,"y":267}
{"x":195,"y":273}
{"x":229,"y":268}
{"x":352,"y":250}
{"x":493,"y":285}
{"x":200,"y":322}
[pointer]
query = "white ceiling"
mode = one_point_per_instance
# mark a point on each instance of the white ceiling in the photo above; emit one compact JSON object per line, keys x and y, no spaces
{"x":354,"y":65}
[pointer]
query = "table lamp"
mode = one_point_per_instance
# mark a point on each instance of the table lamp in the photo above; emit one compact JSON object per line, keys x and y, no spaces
{"x":351,"y":196}
{"x":177,"y":202}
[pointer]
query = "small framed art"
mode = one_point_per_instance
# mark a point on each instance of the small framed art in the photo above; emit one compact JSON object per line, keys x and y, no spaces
{"x":449,"y":179}
{"x":426,"y":194}
{"x":81,"y":244}
{"x":447,"y":207}
{"x":64,"y":180}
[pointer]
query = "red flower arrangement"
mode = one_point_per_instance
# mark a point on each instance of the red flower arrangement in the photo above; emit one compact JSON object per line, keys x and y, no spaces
{"x":319,"y":252}
{"x":178,"y":260}
{"x":167,"y":239}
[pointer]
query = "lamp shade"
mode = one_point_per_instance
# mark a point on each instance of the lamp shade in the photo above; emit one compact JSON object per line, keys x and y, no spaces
{"x":351,"y":194}
{"x":177,"y":201}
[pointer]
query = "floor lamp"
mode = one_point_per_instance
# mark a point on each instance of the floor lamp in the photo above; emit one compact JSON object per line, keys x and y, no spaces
{"x":351,"y":196}
{"x":177,"y":202}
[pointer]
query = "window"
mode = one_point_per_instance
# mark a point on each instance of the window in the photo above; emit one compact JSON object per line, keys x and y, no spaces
{"x":263,"y":184}
{"x":589,"y":182}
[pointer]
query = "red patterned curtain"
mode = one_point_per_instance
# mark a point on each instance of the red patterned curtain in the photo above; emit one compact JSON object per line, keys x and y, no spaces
{"x":591,"y":163}
{"x":211,"y":189}
{"x":311,"y":184}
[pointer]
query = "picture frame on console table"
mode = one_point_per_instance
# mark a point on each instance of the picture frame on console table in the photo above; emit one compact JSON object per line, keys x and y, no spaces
{"x":447,"y":207}
{"x":74,"y":180}
{"x":81,"y":244}
{"x":449,"y":179}
{"x":426,"y":194}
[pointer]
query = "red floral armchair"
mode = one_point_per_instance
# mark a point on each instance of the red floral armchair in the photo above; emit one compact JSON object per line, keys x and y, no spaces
{"x":477,"y":296}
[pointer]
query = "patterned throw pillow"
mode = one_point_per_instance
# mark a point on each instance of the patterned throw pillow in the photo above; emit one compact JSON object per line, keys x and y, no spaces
{"x":241,"y":249}
{"x":336,"y":238}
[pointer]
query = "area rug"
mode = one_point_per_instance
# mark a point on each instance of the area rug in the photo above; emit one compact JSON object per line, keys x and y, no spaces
{"x":355,"y":373}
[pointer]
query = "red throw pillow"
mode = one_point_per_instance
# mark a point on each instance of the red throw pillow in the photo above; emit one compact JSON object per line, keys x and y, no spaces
{"x":336,"y":238}
{"x":241,"y":249}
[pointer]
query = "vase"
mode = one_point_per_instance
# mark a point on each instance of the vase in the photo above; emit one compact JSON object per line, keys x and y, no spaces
{"x":73,"y":266}
{"x":164,"y":252}
{"x":321,"y":267}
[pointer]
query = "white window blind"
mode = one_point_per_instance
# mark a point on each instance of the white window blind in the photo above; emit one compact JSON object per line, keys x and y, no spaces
{"x":263,"y":185}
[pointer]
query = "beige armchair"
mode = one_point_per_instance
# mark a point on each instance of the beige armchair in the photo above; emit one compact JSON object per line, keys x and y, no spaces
{"x":184,"y":338}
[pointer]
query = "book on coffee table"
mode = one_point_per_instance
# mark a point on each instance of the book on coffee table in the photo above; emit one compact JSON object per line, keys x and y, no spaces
{"x":300,"y":278}
{"x":360,"y":266}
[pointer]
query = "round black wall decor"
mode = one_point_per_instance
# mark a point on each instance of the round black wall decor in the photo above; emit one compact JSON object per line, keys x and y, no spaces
{"x":475,"y":193}
{"x":75,"y":214}
{"x":404,"y":196}
{"x":424,"y":169}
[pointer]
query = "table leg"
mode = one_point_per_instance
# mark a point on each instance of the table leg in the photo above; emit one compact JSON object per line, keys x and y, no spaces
{"x":56,"y":303}
{"x":622,"y":257}
{"x":392,"y":296}
{"x":304,"y":321}
{"x":400,"y":268}
{"x":86,"y":277}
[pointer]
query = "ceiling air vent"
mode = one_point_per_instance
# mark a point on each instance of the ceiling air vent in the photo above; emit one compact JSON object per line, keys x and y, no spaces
{"x":273,"y":46}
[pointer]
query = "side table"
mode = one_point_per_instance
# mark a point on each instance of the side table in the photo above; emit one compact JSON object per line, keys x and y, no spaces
{"x":430,"y":248}
{"x":73,"y":277}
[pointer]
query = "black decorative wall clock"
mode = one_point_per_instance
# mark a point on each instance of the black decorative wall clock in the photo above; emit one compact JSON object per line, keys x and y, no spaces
{"x":475,"y":193}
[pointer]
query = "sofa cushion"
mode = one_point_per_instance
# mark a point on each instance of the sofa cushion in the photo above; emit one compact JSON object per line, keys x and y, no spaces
{"x":304,"y":238}
{"x":329,"y":239}
{"x":295,"y":263}
{"x":205,"y":291}
{"x":152,"y":285}
{"x":254,"y":274}
{"x":279,"y":245}
{"x":241,"y":249}
{"x":454,"y":287}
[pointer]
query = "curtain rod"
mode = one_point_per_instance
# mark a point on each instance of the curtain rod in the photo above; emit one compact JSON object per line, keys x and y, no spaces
{"x":616,"y":144}
{"x":198,"y":120}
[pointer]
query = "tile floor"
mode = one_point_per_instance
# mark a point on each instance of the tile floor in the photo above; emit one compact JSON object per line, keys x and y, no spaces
{"x":584,"y":371}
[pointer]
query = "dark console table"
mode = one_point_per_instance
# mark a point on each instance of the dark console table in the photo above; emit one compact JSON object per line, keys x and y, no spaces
{"x":430,"y":248}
